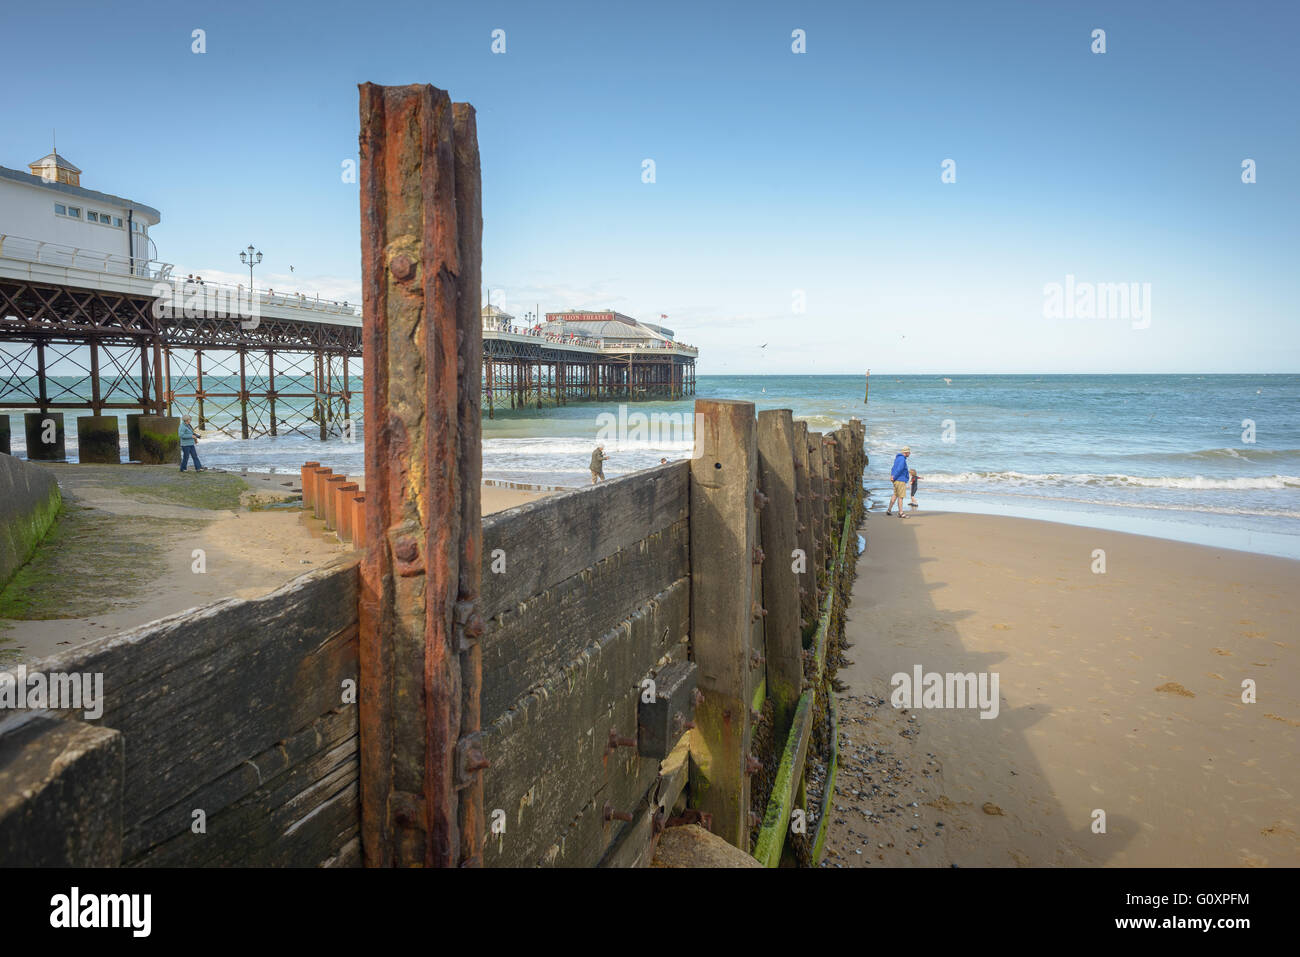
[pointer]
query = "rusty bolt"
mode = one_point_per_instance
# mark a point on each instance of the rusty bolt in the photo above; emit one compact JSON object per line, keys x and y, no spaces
{"x":407,"y":550}
{"x":612,"y":815}
{"x":760,"y":499}
{"x":475,"y":761}
{"x":402,"y":268}
{"x":474,"y":627}
{"x":759,"y":611}
{"x":752,"y":764}
{"x":617,"y":740}
{"x":756,"y":660}
{"x":759,"y":555}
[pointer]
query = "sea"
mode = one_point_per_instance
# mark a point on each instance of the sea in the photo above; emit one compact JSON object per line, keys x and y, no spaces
{"x":1211,"y":459}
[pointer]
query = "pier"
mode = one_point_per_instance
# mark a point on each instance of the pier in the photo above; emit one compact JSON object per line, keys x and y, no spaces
{"x":82,"y":330}
{"x":527,"y":370}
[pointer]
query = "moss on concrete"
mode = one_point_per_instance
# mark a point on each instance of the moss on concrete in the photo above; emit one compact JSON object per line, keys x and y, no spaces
{"x":159,"y":442}
{"x":25,"y":525}
{"x":98,"y":439}
{"x":205,"y":490}
{"x":90,"y":561}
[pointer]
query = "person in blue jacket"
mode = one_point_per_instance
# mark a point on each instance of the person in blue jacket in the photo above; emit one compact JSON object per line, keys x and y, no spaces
{"x":899,"y":475}
{"x":188,"y":451}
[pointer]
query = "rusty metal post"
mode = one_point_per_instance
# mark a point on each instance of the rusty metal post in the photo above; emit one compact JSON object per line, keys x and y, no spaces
{"x":309,"y":483}
{"x":421,"y":226}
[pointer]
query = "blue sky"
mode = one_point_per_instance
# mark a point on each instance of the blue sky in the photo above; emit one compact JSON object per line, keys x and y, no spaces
{"x":777,"y":174}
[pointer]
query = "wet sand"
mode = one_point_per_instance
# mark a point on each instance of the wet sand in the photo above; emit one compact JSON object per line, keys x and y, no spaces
{"x":1119,"y":692}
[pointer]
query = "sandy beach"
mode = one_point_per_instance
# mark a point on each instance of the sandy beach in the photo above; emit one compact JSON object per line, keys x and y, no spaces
{"x":124,"y":552}
{"x":1120,"y":692}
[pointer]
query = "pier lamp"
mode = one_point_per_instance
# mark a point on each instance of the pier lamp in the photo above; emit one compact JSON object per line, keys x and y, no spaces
{"x":250,"y":257}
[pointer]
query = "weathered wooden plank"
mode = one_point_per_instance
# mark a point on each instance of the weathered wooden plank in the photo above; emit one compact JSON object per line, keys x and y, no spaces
{"x":198,"y":693}
{"x":60,"y":792}
{"x":553,"y":768}
{"x":806,"y":533}
{"x":724,"y":531}
{"x":252,"y":810}
{"x":636,"y":846}
{"x":545,"y":542}
{"x":529,"y":643}
{"x":777,"y":520}
{"x":816,"y":511}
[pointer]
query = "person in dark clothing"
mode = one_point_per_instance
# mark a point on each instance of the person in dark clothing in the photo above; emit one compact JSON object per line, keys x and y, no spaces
{"x":598,"y":458}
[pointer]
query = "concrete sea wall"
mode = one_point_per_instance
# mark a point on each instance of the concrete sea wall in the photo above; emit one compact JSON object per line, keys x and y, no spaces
{"x":29,"y":504}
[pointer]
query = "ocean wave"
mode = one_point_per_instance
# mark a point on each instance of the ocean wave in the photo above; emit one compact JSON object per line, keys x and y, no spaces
{"x":1198,"y":482}
{"x":1218,"y":455}
{"x":882,"y":494}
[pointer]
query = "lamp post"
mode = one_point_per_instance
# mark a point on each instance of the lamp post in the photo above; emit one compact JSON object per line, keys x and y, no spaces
{"x":250,"y":257}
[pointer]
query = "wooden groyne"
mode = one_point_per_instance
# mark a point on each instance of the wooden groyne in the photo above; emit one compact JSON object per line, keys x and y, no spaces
{"x":555,"y":685}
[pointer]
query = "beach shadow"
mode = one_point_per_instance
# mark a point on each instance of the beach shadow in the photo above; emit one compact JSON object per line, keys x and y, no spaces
{"x":995,"y":804}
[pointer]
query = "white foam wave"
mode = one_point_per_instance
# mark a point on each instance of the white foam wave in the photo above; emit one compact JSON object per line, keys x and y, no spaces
{"x":1197,"y":482}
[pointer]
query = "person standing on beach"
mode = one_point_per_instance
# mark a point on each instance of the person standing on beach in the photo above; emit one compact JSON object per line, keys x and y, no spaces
{"x":598,"y":458}
{"x":899,"y":475}
{"x":914,"y":479}
{"x":188,"y":450}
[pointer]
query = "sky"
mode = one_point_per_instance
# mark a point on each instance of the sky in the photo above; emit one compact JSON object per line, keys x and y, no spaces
{"x":798,"y":198}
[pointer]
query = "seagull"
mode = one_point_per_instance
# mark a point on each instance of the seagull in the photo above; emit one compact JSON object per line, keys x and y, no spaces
{"x":947,"y":380}
{"x":763,"y":346}
{"x":290,"y":269}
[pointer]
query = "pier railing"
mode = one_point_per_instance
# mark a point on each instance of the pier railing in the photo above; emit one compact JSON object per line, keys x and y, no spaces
{"x":29,"y":250}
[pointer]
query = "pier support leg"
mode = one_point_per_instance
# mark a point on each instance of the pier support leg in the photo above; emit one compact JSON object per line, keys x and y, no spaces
{"x":98,"y":439}
{"x":270,"y":366}
{"x":243,"y":396}
{"x":421,"y":780}
{"x":198,"y":387}
{"x":44,"y":432}
{"x":724,"y":531}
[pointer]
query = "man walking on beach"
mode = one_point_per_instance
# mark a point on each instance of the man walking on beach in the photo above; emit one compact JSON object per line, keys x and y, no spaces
{"x":899,"y":475}
{"x":598,"y":458}
{"x":188,"y":451}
